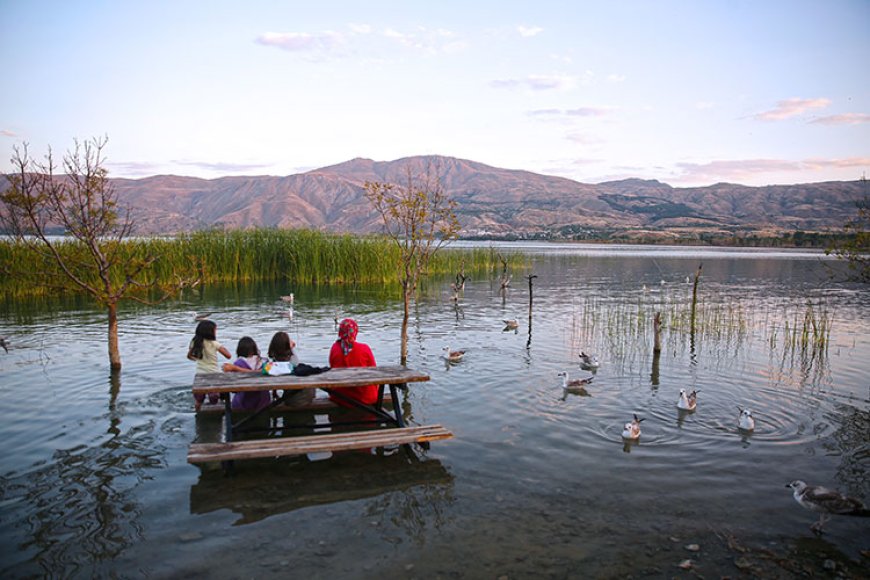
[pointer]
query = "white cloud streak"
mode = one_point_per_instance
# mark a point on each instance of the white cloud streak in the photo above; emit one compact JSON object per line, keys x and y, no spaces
{"x":536,"y":83}
{"x":843,"y":119}
{"x":301,"y":41}
{"x":529,"y":31}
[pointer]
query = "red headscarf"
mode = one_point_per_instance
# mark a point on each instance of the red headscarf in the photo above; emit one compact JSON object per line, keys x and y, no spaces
{"x":347,"y":331}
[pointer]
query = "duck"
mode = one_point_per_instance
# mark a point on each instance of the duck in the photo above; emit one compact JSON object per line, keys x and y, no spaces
{"x":687,"y":402}
{"x":511,"y":324}
{"x":289,"y":299}
{"x":588,"y":361}
{"x":200,"y":316}
{"x":745,"y":422}
{"x":631,"y":430}
{"x":574,"y":386}
{"x":4,"y":343}
{"x":453,"y":355}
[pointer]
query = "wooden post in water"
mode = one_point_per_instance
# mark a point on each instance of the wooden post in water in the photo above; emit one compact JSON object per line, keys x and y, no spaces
{"x":530,"y":277}
{"x":695,"y":297}
{"x":657,"y":348}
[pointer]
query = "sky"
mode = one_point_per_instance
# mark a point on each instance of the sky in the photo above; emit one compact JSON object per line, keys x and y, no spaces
{"x":689,"y":92}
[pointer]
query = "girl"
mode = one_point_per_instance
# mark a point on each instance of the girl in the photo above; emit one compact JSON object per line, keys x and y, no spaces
{"x":249,"y":361}
{"x":281,"y":349}
{"x":347,"y":352}
{"x":204,"y":349}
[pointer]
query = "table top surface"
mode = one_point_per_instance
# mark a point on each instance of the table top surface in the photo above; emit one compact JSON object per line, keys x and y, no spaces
{"x":334,"y":378}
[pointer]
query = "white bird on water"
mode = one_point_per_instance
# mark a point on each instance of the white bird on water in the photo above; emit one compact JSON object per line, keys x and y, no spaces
{"x":289,"y":299}
{"x":745,"y":422}
{"x":631,"y":430}
{"x":200,"y":316}
{"x":825,"y":502}
{"x":574,"y":386}
{"x":588,"y":361}
{"x":453,"y":355}
{"x":687,"y":402}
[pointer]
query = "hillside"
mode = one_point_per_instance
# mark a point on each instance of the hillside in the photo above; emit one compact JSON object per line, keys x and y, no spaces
{"x":491,"y":201}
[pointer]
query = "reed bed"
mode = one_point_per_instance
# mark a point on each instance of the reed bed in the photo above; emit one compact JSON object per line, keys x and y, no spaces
{"x":244,"y":256}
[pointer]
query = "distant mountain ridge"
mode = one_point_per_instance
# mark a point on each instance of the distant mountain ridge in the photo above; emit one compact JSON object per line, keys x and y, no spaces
{"x":491,"y":201}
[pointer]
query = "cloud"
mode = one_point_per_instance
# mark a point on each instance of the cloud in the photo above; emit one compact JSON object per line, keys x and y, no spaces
{"x":536,"y":82}
{"x":426,"y":40}
{"x":578,"y":112}
{"x":358,"y":28}
{"x":844,"y":119}
{"x":529,"y":31}
{"x":222,"y":167}
{"x":746,"y":169}
{"x":615,"y":78}
{"x":7,"y":133}
{"x":135,"y":168}
{"x":301,"y":41}
{"x":791,"y":108}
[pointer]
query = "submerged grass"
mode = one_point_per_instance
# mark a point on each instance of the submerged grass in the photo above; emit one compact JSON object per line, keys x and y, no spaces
{"x":243,"y":256}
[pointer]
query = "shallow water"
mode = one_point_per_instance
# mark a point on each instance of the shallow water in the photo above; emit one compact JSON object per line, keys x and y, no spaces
{"x":536,"y":482}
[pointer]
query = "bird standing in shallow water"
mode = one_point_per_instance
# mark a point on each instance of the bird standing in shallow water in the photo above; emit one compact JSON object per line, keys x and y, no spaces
{"x":745,"y":422}
{"x":687,"y":402}
{"x":632,"y":430}
{"x":826,"y":502}
{"x":453,"y":355}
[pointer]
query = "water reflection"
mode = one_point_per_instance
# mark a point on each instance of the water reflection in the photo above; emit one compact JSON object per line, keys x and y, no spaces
{"x":261,"y":489}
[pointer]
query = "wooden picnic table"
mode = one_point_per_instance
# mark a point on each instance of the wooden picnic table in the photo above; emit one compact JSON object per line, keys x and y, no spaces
{"x":385,"y":412}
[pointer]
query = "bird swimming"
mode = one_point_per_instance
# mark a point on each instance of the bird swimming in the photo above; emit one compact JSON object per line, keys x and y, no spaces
{"x":288,"y":299}
{"x":632,"y":430}
{"x":197,"y":316}
{"x":511,"y":324}
{"x":574,"y":386}
{"x":3,"y":343}
{"x":453,"y":355}
{"x":745,"y":422}
{"x":826,"y":502}
{"x":588,"y":361}
{"x":687,"y":402}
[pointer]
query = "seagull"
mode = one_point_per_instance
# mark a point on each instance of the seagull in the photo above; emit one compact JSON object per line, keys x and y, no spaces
{"x":632,"y":430}
{"x":201,"y":316}
{"x":453,"y":355}
{"x":574,"y":386}
{"x":288,"y":299}
{"x":511,"y":324}
{"x":826,"y":502}
{"x":687,"y":402}
{"x":3,"y":343}
{"x":745,"y":422}
{"x":588,"y":361}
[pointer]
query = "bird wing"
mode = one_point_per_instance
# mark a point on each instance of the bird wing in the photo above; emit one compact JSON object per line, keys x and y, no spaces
{"x":833,"y":502}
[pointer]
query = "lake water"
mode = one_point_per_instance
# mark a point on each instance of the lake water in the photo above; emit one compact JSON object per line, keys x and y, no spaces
{"x":536,"y":483}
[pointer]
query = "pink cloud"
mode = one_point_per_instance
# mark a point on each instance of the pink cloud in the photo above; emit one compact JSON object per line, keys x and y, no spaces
{"x":791,"y":108}
{"x":745,"y":169}
{"x":844,"y":119}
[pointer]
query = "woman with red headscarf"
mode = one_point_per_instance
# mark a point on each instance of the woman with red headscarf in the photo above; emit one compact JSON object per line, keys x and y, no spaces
{"x":347,"y":352}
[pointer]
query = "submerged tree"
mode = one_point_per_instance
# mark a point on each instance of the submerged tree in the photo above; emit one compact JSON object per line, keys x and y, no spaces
{"x":420,"y":218}
{"x":81,"y":204}
{"x":854,"y":249}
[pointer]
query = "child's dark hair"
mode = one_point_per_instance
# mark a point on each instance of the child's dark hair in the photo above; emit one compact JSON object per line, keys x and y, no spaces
{"x":247,"y":347}
{"x":205,"y":330}
{"x":279,"y":348}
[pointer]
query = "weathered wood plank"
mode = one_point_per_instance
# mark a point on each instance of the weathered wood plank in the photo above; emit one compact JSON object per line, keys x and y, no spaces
{"x":276,"y":447}
{"x":205,"y":383}
{"x":317,"y":405}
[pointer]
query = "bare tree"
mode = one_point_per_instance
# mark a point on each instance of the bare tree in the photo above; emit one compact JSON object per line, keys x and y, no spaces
{"x":420,"y":218}
{"x":82,"y":204}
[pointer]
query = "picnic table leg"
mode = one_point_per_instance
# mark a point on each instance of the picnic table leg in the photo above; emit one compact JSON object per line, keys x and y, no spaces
{"x":228,"y":429}
{"x":397,"y":408}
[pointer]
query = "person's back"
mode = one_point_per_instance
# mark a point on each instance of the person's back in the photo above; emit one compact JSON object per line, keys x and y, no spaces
{"x":347,"y":352}
{"x":281,"y":350}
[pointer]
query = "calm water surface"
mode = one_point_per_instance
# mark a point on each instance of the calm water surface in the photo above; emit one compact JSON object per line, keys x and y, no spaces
{"x":536,"y":482}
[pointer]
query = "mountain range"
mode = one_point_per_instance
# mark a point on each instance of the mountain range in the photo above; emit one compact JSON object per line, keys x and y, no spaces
{"x":490,"y":202}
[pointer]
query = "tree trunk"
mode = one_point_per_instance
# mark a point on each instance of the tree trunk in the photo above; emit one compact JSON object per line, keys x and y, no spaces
{"x":114,"y":351}
{"x":406,"y":314}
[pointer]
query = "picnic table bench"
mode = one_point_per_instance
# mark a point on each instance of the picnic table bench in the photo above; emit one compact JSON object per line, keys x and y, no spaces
{"x":385,"y":413}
